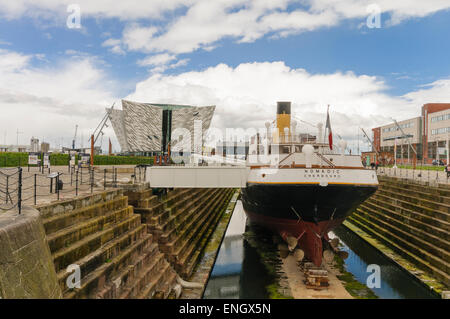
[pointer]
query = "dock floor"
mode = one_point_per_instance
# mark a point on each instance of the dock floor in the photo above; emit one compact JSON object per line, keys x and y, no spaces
{"x":295,"y":278}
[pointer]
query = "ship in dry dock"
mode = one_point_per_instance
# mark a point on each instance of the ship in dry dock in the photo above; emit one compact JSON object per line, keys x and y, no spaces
{"x":311,"y":189}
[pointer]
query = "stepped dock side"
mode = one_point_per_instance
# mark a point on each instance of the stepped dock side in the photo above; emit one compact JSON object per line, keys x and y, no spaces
{"x":410,"y":222}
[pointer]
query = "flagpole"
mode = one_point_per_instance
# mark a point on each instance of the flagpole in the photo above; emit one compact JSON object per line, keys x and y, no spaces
{"x":327,"y":131}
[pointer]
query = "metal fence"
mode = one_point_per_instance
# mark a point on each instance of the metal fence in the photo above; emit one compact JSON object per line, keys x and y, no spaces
{"x":20,"y":186}
{"x":429,"y":176}
{"x":11,"y":189}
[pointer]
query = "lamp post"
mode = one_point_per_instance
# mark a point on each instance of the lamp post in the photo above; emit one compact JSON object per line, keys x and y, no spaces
{"x":447,"y":142}
{"x":395,"y":152}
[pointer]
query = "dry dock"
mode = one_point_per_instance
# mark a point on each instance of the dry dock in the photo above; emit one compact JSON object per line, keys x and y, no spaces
{"x":130,"y":241}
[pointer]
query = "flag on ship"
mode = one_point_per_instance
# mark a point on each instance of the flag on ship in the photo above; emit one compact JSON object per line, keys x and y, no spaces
{"x":328,"y":126}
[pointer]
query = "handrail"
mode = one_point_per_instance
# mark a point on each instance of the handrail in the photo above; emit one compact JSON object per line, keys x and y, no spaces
{"x":325,"y":159}
{"x":285,"y":159}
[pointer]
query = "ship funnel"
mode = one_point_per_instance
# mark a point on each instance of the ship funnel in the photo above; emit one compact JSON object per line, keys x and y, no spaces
{"x":284,"y":118}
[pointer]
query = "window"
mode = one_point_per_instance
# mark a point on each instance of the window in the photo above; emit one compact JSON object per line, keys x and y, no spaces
{"x":441,"y":130}
{"x":439,"y":118}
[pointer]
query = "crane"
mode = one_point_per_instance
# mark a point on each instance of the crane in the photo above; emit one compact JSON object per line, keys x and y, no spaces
{"x":99,"y":129}
{"x":370,"y":141}
{"x":405,"y":136}
{"x":74,"y":137}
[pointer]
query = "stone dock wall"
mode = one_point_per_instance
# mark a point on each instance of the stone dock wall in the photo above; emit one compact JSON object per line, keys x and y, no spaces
{"x":123,"y":243}
{"x":413,"y":220}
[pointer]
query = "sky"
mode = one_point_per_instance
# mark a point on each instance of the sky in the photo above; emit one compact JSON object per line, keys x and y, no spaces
{"x":62,"y":63}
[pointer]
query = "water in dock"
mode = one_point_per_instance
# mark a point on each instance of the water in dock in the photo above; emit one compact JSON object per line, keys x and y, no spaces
{"x":239,"y":273}
{"x":395,"y":282}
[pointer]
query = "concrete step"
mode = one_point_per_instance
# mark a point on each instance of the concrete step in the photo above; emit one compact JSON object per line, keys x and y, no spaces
{"x":176,"y":194}
{"x":69,"y":255}
{"x":431,"y":216}
{"x":101,"y":266}
{"x":145,"y":277}
{"x":184,"y":202}
{"x":162,"y":221}
{"x":431,"y":244}
{"x":419,"y":193}
{"x":57,"y":222}
{"x":188,"y":253}
{"x":69,"y":205}
{"x":156,"y":214}
{"x":372,"y":230}
{"x":136,"y":196}
{"x":428,"y":224}
{"x":177,"y":222}
{"x":173,"y":238}
{"x":174,"y":217}
{"x":148,"y":213}
{"x":415,"y":199}
{"x":69,"y":235}
{"x":162,"y":282}
{"x":130,"y":276}
{"x":147,"y":202}
{"x":148,"y":259}
{"x":403,"y":240}
{"x":442,"y":190}
{"x":193,"y":255}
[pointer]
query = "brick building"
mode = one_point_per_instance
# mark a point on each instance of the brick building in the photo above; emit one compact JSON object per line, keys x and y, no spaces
{"x":427,"y":134}
{"x":436,"y":131}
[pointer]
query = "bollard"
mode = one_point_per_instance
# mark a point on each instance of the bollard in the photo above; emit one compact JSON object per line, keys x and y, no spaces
{"x":104,"y":179}
{"x":57,"y":186}
{"x":92,"y":179}
{"x":7,"y":190}
{"x":76,"y":184}
{"x":19,"y":195}
{"x":35,"y":193}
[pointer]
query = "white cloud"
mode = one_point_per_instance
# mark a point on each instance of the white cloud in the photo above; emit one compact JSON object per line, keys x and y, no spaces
{"x":438,"y":91}
{"x":124,"y":10}
{"x":49,"y":101}
{"x":161,"y":62}
{"x":246,"y":96}
{"x":204,"y":22}
{"x":155,"y":60}
{"x":12,"y":61}
{"x":137,"y":38}
{"x":207,"y":22}
{"x":115,"y":46}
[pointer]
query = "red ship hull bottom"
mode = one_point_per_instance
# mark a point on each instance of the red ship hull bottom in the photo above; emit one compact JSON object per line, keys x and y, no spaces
{"x":310,"y":235}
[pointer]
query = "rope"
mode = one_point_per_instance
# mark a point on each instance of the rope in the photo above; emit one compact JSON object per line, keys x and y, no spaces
{"x":23,"y":200}
{"x":9,"y":175}
{"x":6,"y":209}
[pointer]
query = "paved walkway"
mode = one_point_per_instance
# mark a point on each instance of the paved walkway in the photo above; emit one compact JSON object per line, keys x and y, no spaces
{"x":38,"y":188}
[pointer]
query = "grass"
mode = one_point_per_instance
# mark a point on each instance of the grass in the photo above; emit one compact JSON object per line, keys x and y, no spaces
{"x":12,"y":159}
{"x":424,"y":168}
